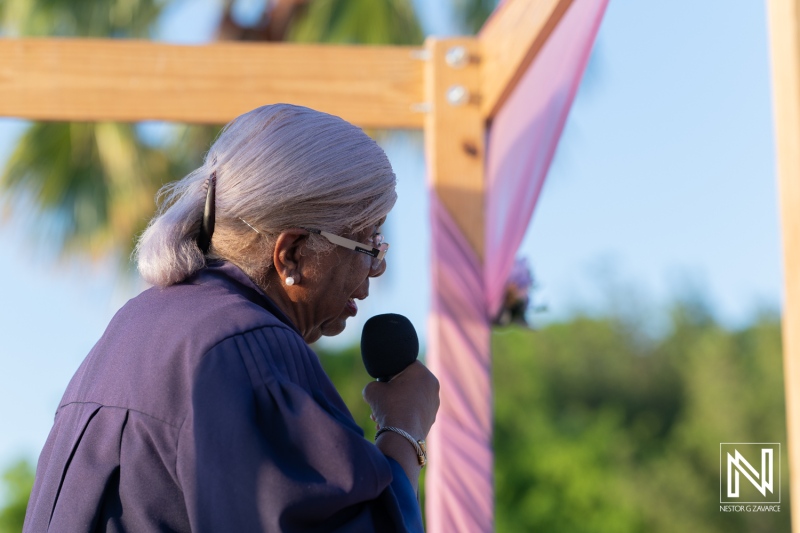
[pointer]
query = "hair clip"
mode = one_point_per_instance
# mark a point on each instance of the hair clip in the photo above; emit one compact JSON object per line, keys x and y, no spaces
{"x":207,"y":225}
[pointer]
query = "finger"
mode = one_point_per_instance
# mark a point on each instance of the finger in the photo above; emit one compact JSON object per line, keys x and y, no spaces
{"x":399,"y":374}
{"x":370,"y":391}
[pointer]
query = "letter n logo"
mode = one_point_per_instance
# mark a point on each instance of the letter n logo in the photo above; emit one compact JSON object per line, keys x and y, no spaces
{"x":747,"y":472}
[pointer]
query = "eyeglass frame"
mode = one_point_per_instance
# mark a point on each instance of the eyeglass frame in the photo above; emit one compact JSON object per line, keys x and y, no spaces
{"x":377,"y":254}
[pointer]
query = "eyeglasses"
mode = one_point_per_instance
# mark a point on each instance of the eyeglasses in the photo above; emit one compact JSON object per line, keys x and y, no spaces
{"x":377,"y":249}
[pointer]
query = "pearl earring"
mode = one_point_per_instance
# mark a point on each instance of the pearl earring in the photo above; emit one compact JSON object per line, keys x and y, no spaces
{"x":289,"y":281}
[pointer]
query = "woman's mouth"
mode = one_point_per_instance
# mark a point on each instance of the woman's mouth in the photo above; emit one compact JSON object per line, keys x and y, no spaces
{"x":351,"y":307}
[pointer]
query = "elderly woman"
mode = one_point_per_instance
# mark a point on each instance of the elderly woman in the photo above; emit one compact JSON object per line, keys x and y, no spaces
{"x":202,"y":407}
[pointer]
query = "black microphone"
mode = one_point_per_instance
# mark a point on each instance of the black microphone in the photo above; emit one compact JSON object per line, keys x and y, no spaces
{"x":389,"y":344}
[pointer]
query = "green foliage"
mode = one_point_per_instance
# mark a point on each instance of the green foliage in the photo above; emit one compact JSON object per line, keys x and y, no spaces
{"x":17,"y":484}
{"x":472,"y":14}
{"x":94,"y":188}
{"x":59,"y":18}
{"x":357,"y":22}
{"x":598,"y":430}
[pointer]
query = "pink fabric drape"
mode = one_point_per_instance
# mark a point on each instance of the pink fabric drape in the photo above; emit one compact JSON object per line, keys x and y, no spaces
{"x":466,"y":293}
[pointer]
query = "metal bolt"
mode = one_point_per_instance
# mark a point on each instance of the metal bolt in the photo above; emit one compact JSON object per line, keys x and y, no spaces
{"x":457,"y":57}
{"x":457,"y":95}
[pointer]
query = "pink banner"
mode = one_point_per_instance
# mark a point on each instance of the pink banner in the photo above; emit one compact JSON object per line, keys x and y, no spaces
{"x":466,"y":294}
{"x":459,"y":494}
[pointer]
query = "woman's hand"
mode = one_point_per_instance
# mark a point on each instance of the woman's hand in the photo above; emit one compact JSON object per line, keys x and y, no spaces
{"x":408,"y":401}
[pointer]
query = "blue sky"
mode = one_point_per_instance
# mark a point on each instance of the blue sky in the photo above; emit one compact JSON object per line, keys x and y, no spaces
{"x":664,"y":181}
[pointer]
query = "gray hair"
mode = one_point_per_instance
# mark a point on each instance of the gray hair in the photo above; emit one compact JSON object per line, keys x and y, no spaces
{"x":277,"y":167}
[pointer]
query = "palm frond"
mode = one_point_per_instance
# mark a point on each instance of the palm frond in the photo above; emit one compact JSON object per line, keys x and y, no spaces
{"x":91,"y":185}
{"x":472,"y":14}
{"x":357,"y":22}
{"x":59,"y":18}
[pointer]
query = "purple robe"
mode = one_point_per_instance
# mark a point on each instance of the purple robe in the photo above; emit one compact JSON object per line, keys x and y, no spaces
{"x":201,"y":408}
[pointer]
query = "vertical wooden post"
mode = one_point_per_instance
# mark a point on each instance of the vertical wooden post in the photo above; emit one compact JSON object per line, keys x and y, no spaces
{"x":785,"y":51}
{"x":454,"y":133}
{"x":460,"y":475}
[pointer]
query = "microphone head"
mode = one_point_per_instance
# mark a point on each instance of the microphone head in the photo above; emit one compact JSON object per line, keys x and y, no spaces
{"x":389,"y":344}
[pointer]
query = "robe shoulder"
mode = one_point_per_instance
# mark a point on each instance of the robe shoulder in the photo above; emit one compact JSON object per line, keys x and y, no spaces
{"x":201,"y":405}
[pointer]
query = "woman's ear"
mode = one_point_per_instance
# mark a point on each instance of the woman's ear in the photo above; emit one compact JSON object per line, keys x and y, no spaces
{"x":286,"y":257}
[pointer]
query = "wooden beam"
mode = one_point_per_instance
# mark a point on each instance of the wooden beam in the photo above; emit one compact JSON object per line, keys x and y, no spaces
{"x":784,"y":25}
{"x":509,"y":42}
{"x":454,"y":136}
{"x":94,"y":80}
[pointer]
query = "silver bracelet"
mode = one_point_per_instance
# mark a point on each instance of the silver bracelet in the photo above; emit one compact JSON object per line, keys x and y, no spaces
{"x":419,"y":445}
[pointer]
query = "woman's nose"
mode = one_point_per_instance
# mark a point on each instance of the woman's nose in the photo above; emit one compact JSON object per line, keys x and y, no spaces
{"x":379,"y":270}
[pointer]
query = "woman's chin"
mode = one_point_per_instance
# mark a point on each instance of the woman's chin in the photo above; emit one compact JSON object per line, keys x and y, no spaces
{"x":335,"y":326}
